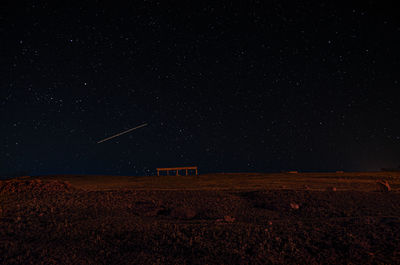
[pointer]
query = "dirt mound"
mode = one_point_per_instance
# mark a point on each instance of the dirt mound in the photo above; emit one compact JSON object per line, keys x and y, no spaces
{"x":34,"y":186}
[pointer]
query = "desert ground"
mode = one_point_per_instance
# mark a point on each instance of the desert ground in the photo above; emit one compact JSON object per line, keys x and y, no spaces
{"x":225,"y":218}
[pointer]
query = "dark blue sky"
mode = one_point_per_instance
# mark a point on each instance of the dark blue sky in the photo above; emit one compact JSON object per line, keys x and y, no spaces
{"x":257,"y":87}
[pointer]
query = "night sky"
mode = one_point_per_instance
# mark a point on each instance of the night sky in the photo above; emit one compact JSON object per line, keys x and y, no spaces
{"x":262,"y":86}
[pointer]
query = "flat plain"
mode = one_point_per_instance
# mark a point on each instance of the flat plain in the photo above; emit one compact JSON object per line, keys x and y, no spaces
{"x":225,"y":218}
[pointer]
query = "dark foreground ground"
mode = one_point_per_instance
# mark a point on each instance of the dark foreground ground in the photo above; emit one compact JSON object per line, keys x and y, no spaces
{"x":50,"y":222}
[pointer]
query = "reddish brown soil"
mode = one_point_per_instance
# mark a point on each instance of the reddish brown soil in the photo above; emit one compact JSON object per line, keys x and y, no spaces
{"x":53,"y":223}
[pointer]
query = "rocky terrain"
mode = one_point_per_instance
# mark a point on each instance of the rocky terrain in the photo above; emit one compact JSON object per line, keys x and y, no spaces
{"x":52,"y":222}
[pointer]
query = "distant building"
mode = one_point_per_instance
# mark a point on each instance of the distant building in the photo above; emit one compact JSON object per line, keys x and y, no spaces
{"x":177,"y":171}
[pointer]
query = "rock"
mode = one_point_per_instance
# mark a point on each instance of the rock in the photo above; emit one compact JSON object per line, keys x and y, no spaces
{"x":183,"y":213}
{"x":229,"y":219}
{"x":294,"y":206}
{"x":153,"y":212}
{"x":331,"y":189}
{"x":383,"y":186}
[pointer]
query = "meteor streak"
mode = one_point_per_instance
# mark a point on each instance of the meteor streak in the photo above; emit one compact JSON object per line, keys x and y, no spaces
{"x":119,"y":134}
